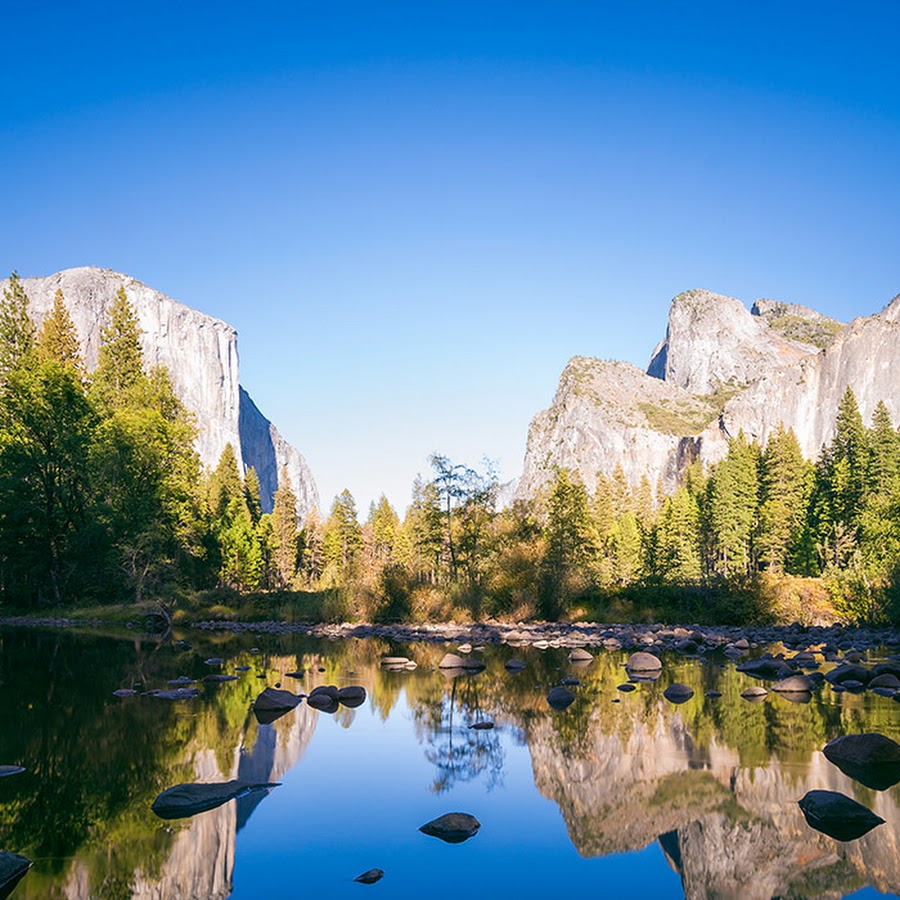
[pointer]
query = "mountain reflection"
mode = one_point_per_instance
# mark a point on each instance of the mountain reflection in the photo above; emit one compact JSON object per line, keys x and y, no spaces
{"x":714,"y":781}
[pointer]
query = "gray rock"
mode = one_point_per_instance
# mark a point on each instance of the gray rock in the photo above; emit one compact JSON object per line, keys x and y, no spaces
{"x":184,"y":800}
{"x":124,"y":692}
{"x":514,"y":665}
{"x":11,"y":770}
{"x":453,"y":828}
{"x":579,"y":655}
{"x":643,"y":662}
{"x":794,"y":684}
{"x":370,"y":877}
{"x":185,"y":693}
{"x":754,"y":693}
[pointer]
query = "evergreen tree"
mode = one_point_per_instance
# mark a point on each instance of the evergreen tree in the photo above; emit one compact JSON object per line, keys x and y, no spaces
{"x":382,"y":526}
{"x":423,"y":529}
{"x":676,"y":539}
{"x":58,"y":338}
{"x":251,"y":494}
{"x":342,"y":540}
{"x":784,"y":497}
{"x":572,"y":544}
{"x":225,"y":485}
{"x":45,"y":491}
{"x":734,"y":507}
{"x":884,"y":443}
{"x":627,"y":549}
{"x":850,"y":444}
{"x":284,"y":531}
{"x":16,"y":328}
{"x":120,"y":359}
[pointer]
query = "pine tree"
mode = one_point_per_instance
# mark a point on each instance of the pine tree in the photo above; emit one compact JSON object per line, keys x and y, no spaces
{"x":734,"y":507}
{"x":851,"y":443}
{"x":884,"y":443}
{"x":342,"y":540}
{"x":383,"y":527}
{"x":784,"y":497}
{"x":251,"y":494}
{"x":16,"y":328}
{"x":284,"y":531}
{"x":120,"y":359}
{"x":676,"y":539}
{"x":225,"y":485}
{"x":58,"y":338}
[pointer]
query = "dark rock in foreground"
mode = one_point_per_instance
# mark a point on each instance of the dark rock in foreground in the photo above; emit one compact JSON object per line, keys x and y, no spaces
{"x":871,"y":759}
{"x":454,"y":828}
{"x":370,"y":877}
{"x":184,"y":800}
{"x":837,"y":815}
{"x":12,"y":870}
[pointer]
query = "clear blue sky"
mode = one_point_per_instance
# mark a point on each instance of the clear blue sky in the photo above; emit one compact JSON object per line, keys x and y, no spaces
{"x":415,"y":213}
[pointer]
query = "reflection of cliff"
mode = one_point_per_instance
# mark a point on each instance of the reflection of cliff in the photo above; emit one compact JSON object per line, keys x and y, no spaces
{"x":200,"y":861}
{"x":730,"y":832}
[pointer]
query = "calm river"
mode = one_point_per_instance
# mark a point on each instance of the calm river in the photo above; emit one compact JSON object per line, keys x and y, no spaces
{"x":619,"y":795}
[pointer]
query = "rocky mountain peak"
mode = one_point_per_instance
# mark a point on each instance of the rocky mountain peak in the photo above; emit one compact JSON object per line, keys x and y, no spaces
{"x":720,"y":369}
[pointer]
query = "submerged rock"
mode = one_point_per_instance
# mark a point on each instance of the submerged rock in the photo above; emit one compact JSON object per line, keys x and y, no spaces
{"x":219,"y":679}
{"x":482,"y":726}
{"x":871,"y":759}
{"x":837,"y":815}
{"x":370,"y":877}
{"x":580,"y":655}
{"x":184,"y":693}
{"x":514,"y":665}
{"x":12,"y":870}
{"x":454,"y":828}
{"x":452,"y":661}
{"x":184,"y":800}
{"x":11,"y":770}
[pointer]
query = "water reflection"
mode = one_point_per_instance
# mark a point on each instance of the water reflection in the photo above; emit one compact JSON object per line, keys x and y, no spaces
{"x":713,"y":782}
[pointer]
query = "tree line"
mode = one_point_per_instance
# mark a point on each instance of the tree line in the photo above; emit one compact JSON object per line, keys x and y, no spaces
{"x":103,"y":497}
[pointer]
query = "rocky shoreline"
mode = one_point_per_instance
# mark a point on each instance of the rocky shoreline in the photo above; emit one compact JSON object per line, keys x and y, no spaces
{"x":684,"y":638}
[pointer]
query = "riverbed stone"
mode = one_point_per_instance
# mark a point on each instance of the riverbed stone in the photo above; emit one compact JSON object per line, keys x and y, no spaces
{"x":837,"y":815}
{"x":560,"y":698}
{"x":453,"y":828}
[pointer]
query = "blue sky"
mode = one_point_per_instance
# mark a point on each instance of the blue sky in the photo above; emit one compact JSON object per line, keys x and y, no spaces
{"x":414,"y":214}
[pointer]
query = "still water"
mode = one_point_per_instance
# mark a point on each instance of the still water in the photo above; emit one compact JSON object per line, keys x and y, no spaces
{"x":636,"y":798}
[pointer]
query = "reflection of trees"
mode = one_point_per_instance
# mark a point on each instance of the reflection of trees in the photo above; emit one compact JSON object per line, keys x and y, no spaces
{"x":460,"y":753}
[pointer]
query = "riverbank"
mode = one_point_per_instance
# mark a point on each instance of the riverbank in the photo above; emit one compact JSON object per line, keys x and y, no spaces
{"x":688,"y":639}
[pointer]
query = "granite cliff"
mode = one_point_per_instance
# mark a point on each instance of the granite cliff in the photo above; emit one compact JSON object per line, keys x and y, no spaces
{"x":202,"y":356}
{"x":721,"y":368}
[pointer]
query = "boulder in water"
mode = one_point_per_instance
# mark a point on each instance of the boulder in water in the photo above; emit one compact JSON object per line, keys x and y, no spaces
{"x":454,"y":828}
{"x":514,"y":665}
{"x":272,"y":704}
{"x":678,"y":693}
{"x":370,"y":877}
{"x":560,"y":697}
{"x":580,"y":655}
{"x":795,"y":684}
{"x":837,"y":815}
{"x":871,"y":759}
{"x":643,"y":662}
{"x":352,"y":696}
{"x":184,"y":800}
{"x":12,"y":870}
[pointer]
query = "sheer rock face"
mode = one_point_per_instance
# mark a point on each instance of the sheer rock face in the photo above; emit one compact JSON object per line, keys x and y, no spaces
{"x":202,"y":357}
{"x":721,"y":369}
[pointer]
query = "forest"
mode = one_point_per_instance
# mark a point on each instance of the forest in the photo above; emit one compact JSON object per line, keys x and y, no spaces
{"x":103,"y":500}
